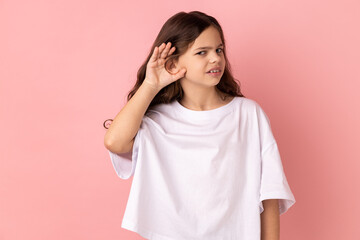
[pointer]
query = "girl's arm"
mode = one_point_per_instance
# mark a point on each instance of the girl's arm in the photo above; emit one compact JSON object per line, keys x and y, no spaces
{"x":119,"y":138}
{"x":270,"y":220}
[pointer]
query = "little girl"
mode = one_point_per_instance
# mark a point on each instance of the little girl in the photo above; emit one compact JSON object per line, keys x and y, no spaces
{"x":207,"y":164}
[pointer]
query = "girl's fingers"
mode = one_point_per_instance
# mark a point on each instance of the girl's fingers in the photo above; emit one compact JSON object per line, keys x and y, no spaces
{"x":166,"y":50}
{"x":161,"y":48}
{"x":162,"y":51}
{"x":171,"y":51}
{"x":155,"y":54}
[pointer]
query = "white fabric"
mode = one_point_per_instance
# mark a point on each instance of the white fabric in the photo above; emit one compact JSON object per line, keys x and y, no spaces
{"x":202,"y":174}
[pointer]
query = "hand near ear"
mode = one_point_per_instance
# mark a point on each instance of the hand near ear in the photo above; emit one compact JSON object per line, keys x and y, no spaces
{"x":156,"y":74}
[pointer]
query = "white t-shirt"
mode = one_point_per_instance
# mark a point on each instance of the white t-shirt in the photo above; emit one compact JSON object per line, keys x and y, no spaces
{"x":202,"y":174}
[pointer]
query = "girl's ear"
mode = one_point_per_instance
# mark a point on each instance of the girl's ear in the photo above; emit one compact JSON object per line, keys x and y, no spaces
{"x":172,"y":66}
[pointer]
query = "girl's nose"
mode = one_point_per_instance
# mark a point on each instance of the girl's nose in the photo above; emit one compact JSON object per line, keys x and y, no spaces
{"x":215,"y":57}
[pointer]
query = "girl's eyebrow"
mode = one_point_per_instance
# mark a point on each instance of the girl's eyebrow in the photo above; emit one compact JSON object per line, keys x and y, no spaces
{"x":220,"y":45}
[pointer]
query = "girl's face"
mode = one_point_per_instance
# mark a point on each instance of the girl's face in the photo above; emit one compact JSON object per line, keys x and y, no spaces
{"x":204,"y":54}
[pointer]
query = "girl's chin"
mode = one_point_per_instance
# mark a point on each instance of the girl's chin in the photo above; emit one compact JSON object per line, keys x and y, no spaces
{"x":208,"y":82}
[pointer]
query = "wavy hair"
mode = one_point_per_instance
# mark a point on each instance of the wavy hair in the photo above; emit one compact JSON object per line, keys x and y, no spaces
{"x":181,"y":30}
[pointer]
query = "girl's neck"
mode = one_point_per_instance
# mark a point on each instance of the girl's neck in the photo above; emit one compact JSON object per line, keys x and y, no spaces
{"x":206,"y":100}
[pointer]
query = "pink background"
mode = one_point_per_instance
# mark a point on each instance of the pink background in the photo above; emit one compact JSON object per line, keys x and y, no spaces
{"x":66,"y":66}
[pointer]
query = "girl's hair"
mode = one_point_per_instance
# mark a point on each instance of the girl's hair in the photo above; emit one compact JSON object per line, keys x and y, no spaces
{"x":181,"y":30}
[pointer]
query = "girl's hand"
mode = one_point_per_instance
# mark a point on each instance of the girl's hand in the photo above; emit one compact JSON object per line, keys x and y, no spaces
{"x":156,"y":74}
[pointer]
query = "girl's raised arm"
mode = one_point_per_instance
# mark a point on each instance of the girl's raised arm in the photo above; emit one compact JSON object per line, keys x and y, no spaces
{"x":119,"y":138}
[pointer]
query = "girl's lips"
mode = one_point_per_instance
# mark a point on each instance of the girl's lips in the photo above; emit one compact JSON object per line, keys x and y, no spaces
{"x":214,"y":74}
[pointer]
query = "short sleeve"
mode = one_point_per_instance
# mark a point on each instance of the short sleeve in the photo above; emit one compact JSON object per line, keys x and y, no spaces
{"x":273,"y":183}
{"x":125,"y":163}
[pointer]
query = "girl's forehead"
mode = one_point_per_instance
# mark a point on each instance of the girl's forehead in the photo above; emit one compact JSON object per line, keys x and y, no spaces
{"x":210,"y":37}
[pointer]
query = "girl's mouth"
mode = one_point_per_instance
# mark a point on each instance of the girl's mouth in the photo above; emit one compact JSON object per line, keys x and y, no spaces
{"x":214,"y":73}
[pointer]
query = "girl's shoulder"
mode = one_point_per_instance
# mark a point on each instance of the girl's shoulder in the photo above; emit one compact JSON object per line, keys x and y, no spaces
{"x":246,"y":104}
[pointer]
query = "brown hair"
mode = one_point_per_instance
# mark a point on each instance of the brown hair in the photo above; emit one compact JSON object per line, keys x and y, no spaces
{"x":181,"y":30}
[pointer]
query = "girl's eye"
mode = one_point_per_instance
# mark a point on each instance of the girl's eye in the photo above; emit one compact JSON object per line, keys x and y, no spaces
{"x":204,"y":51}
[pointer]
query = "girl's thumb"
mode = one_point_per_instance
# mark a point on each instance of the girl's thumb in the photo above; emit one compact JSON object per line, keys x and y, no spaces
{"x":181,"y":73}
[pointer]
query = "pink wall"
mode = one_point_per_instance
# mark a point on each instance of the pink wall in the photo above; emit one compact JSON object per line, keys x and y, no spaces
{"x":66,"y":66}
